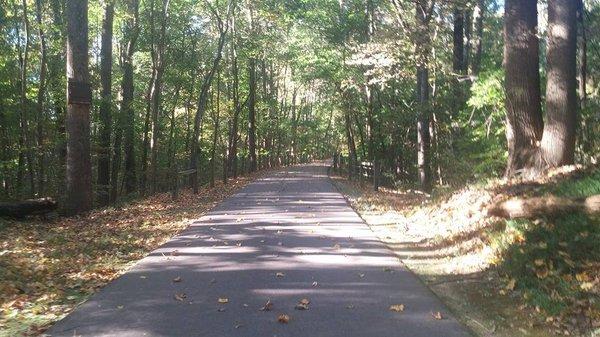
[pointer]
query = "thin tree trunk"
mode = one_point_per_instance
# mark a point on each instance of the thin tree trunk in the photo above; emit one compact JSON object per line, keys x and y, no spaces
{"x":252,"y":113}
{"x":458,"y":41}
{"x":105,"y":106}
{"x":132,"y":31}
{"x":479,"y":17}
{"x":216,"y":115}
{"x":40,"y":99}
{"x":423,"y":137}
{"x":79,"y":168}
{"x":204,"y":91}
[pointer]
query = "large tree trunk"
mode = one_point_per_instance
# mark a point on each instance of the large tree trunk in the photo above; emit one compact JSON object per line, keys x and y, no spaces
{"x":105,"y":106}
{"x":523,"y":107}
{"x":252,"y":113}
{"x":79,"y":168}
{"x":558,"y":141}
{"x":582,"y":53}
{"x":28,"y":207}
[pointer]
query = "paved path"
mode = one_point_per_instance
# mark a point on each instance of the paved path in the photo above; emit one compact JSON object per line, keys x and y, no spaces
{"x":285,"y":237}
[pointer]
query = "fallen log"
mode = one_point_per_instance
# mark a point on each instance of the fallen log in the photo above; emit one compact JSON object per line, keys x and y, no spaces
{"x":20,"y":209}
{"x":544,"y":206}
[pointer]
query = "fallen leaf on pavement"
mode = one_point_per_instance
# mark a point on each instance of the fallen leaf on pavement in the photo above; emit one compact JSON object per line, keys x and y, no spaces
{"x":302,"y":304}
{"x":280,"y":274}
{"x":397,"y":307}
{"x":180,"y":296}
{"x":314,"y":284}
{"x":437,"y":315}
{"x":223,"y":300}
{"x":177,"y":279}
{"x":267,"y":306}
{"x":283,"y":318}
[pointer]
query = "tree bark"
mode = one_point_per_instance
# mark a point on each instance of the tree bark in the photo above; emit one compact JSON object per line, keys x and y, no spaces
{"x":40,"y":99}
{"x":558,"y":140}
{"x":105,"y":106}
{"x":252,"y":113}
{"x":203,"y":97}
{"x":132,"y":31}
{"x":479,"y":13}
{"x":423,"y":16}
{"x":522,"y":84}
{"x":79,"y":168}
{"x":544,"y":206}
{"x":458,"y":50}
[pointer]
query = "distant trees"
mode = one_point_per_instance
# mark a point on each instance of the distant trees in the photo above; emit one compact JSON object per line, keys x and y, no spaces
{"x":233,"y":87}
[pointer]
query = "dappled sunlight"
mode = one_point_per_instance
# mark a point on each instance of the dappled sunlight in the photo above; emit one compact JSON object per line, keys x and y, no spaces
{"x":300,"y":241}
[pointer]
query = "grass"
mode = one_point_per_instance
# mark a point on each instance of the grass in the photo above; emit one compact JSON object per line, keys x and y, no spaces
{"x":47,"y":267}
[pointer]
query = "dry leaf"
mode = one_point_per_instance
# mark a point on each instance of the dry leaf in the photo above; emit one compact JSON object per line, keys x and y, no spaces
{"x":437,"y":315}
{"x":267,"y":306}
{"x":223,"y":300}
{"x":397,"y":307}
{"x":280,"y":274}
{"x":361,"y":275}
{"x":315,"y":283}
{"x":302,"y":304}
{"x":180,"y":296}
{"x":283,"y":318}
{"x":177,"y":279}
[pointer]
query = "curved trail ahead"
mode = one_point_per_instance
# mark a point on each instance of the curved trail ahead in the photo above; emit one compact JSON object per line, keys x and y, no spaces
{"x":285,"y":237}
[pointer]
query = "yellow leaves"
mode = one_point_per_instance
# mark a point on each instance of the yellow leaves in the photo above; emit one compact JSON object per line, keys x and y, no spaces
{"x":397,"y":307}
{"x":283,"y":318}
{"x":511,"y":284}
{"x":223,"y":300}
{"x":542,"y":273}
{"x":582,"y":277}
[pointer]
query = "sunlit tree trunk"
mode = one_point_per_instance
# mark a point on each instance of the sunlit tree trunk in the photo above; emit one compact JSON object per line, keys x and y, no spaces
{"x":522,"y":84}
{"x":479,"y":14}
{"x":423,"y":12}
{"x":558,"y":140}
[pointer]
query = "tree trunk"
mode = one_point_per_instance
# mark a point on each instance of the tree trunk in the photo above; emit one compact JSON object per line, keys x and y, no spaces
{"x":252,"y":113}
{"x":423,"y":13}
{"x":132,"y":31}
{"x":40,"y":99}
{"x":105,"y":106}
{"x":458,"y":51}
{"x":204,"y":91}
{"x":558,"y":141}
{"x":479,"y":16}
{"x":25,"y":155}
{"x":582,"y":54}
{"x":79,"y":168}
{"x":216,"y":116}
{"x":522,"y":84}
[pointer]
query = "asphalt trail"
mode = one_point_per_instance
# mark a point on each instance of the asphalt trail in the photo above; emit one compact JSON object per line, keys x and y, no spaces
{"x":286,"y":237}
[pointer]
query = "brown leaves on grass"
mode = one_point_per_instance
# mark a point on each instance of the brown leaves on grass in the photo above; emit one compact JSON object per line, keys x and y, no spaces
{"x":48,"y":267}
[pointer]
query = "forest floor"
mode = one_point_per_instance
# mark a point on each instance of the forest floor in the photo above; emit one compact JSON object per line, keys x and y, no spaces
{"x":537,"y":277}
{"x":49,"y":266}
